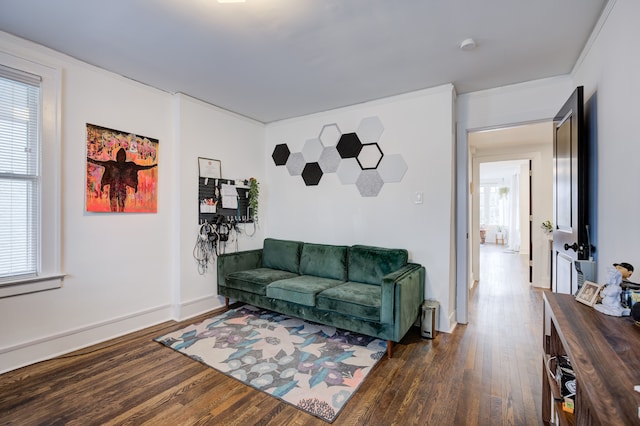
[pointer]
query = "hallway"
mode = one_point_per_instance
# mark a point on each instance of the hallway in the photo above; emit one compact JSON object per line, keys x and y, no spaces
{"x":506,"y":325}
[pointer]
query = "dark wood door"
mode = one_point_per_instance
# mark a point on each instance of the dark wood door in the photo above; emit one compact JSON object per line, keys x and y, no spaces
{"x":570,"y":192}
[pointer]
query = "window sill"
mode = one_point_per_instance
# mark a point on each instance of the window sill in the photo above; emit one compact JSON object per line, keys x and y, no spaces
{"x":31,"y":285}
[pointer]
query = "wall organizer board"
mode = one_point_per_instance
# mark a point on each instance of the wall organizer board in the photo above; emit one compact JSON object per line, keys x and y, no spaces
{"x":218,"y":198}
{"x":356,"y":157}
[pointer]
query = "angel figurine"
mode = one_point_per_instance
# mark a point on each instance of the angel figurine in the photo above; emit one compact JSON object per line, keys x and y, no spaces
{"x":611,"y":295}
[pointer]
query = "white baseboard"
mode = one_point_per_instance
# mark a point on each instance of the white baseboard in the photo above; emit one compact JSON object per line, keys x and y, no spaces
{"x":47,"y":347}
{"x":543,"y":283}
{"x":452,"y":323}
{"x":196,"y":307}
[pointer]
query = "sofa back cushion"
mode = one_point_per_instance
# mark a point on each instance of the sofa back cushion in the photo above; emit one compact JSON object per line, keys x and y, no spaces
{"x":324,"y":261}
{"x":281,"y":254}
{"x":369,"y":264}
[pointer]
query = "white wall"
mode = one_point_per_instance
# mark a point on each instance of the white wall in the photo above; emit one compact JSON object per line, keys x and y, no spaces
{"x":609,"y":73}
{"x":417,"y":126}
{"x":210,"y":132}
{"x":128,"y":271}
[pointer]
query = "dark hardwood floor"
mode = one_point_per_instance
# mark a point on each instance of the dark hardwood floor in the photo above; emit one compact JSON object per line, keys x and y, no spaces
{"x":484,"y":373}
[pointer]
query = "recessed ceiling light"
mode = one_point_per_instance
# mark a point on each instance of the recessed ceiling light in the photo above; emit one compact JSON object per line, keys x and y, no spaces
{"x":468,"y":44}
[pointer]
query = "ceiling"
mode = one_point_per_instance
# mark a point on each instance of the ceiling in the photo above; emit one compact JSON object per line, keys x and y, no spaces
{"x":276,"y":59}
{"x":498,"y":139}
{"x":526,"y":134}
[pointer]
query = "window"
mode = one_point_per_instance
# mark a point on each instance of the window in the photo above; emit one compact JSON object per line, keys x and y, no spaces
{"x":29,"y":177}
{"x":491,"y":205}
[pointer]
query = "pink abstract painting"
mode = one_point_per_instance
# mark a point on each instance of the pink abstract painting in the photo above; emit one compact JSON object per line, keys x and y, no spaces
{"x":122,"y":171}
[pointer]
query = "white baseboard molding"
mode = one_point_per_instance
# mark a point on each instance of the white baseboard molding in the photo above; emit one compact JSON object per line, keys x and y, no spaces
{"x":452,"y":323}
{"x":47,"y":347}
{"x":543,"y":283}
{"x":195,"y":307}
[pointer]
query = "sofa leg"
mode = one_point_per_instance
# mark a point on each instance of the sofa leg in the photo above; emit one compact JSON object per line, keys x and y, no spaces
{"x":389,"y":348}
{"x":226,"y":303}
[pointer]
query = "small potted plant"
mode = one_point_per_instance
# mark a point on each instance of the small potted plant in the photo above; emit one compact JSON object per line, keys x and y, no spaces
{"x":547,"y":227}
{"x":254,"y":192}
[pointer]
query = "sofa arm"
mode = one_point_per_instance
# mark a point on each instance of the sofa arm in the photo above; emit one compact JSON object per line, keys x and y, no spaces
{"x":239,"y":261}
{"x":402,"y":295}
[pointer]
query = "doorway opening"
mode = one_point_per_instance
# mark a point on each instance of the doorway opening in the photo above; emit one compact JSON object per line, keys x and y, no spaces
{"x":511,"y":195}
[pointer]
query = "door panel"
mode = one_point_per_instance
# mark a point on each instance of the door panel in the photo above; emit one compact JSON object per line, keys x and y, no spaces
{"x":563,"y":174}
{"x":570,"y":192}
{"x":564,"y":273}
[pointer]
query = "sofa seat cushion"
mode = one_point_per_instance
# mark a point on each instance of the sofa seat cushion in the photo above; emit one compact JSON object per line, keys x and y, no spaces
{"x":301,"y":290}
{"x":256,"y":280}
{"x":355,"y":299}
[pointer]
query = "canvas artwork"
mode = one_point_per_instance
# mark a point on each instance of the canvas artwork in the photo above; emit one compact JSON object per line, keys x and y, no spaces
{"x":122,"y":171}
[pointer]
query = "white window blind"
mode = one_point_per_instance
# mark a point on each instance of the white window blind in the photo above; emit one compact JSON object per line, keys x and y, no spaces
{"x":19,"y":174}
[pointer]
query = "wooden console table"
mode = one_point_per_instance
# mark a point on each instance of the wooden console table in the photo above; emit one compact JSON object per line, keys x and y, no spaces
{"x":605,"y":354}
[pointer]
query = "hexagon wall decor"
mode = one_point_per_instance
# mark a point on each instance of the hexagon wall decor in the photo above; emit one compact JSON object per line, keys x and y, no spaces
{"x":349,"y":145}
{"x":295,"y":164}
{"x":392,"y":168}
{"x":355,"y":157}
{"x":312,"y":173}
{"x":330,"y":134}
{"x":329,"y":159}
{"x":312,"y":150}
{"x":348,"y":171}
{"x":370,"y":156}
{"x":369,"y":183}
{"x":281,"y":154}
{"x":370,"y":130}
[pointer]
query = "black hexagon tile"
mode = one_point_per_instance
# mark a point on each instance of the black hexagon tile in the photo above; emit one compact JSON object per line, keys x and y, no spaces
{"x":312,"y":173}
{"x":281,"y":154}
{"x":349,"y":146}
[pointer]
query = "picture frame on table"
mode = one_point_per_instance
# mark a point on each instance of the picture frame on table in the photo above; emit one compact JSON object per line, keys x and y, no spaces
{"x":588,"y":293}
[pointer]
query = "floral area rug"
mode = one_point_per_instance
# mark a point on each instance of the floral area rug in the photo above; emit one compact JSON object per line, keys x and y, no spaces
{"x":313,"y":367}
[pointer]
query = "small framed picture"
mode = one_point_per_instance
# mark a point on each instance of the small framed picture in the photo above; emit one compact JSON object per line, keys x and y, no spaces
{"x":210,"y":168}
{"x":588,"y":293}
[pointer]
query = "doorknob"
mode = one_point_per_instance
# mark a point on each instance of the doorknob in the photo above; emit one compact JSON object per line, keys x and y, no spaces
{"x":573,"y":246}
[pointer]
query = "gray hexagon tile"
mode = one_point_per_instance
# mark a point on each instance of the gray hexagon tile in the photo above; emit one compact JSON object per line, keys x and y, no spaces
{"x":370,"y":130}
{"x":329,"y":159}
{"x":370,"y":156}
{"x":348,"y":171}
{"x":330,"y":134}
{"x":392,"y":168}
{"x":312,"y":150}
{"x":369,"y":183}
{"x":295,"y":164}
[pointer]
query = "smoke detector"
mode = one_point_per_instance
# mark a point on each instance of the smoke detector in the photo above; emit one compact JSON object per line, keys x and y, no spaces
{"x":468,"y":44}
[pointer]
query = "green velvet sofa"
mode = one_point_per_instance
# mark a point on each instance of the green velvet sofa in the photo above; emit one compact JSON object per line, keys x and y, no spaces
{"x":370,"y":290}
